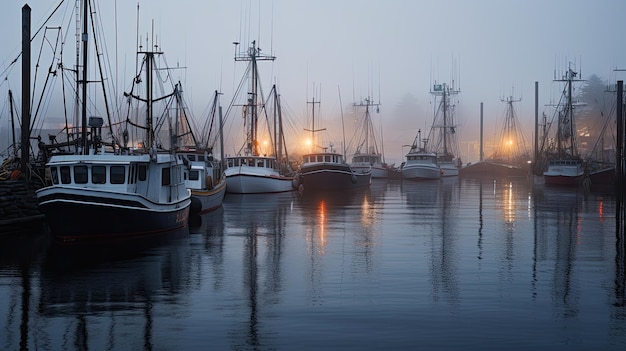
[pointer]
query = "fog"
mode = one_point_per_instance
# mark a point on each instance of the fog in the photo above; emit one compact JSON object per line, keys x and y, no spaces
{"x":343,"y":51}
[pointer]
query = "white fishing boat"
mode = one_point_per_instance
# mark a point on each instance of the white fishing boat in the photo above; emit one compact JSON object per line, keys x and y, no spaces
{"x":204,"y":177}
{"x":564,"y":164}
{"x":203,"y":173}
{"x":110,"y":191}
{"x":252,"y":171}
{"x":442,"y":134}
{"x":420,"y":164}
{"x":367,"y":156}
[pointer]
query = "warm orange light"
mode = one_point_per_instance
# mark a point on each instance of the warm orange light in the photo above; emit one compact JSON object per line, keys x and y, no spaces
{"x":322,"y":222}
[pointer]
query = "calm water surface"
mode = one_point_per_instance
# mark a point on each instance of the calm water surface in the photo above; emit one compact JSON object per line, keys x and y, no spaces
{"x":455,"y":264}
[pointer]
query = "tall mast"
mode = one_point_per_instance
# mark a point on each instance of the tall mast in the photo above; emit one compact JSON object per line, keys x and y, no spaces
{"x":566,"y":129}
{"x":313,"y":130}
{"x":445,"y":144}
{"x":445,"y":120}
{"x":252,"y":55}
{"x":369,"y":126}
{"x":84,"y":80}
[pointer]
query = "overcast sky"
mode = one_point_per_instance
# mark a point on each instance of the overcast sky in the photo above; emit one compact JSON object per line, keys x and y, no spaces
{"x":490,"y":48}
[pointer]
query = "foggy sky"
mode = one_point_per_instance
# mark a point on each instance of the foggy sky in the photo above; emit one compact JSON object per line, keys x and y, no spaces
{"x":388,"y":50}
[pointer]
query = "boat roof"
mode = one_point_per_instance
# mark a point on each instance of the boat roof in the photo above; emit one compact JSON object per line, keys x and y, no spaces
{"x":251,"y":156}
{"x":322,"y":154}
{"x":106,"y":158}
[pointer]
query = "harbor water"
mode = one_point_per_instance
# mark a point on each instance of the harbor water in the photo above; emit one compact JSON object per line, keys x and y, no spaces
{"x":440,"y":265}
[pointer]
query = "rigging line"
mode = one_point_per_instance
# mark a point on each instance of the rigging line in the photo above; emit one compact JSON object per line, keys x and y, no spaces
{"x":342,"y":125}
{"x":43,"y":91}
{"x":97,"y":48}
{"x":33,"y":37}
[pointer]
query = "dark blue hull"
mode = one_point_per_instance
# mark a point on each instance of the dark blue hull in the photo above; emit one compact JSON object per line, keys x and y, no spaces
{"x":333,"y":178}
{"x":80,"y":222}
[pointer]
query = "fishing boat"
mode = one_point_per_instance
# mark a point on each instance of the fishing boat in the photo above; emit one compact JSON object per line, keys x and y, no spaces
{"x":367,"y":154}
{"x":252,"y":171}
{"x":564,"y":164}
{"x":203,"y":173}
{"x":510,"y":157}
{"x":111,"y":191}
{"x":420,"y":164}
{"x":328,"y":170}
{"x":443,"y":130}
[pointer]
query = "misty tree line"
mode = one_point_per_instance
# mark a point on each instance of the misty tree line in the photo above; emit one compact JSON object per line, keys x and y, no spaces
{"x":595,"y":117}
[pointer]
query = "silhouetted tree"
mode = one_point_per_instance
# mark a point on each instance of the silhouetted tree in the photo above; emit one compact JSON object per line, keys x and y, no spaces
{"x":592,"y":112}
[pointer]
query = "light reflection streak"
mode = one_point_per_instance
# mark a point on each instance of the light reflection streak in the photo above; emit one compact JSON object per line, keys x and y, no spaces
{"x":322,"y":217}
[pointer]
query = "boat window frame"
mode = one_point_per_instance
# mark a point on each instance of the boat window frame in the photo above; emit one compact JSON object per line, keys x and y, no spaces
{"x":54,"y":175}
{"x":117,"y":178}
{"x":95,"y":174}
{"x":166,"y":176}
{"x":81,"y":174}
{"x":142,"y":172}
{"x":66,"y":175}
{"x":194,"y":174}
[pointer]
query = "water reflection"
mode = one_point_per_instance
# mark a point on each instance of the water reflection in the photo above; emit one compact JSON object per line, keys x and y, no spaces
{"x":558,"y":224}
{"x":259,"y":220}
{"x":435,"y":206}
{"x":19,"y":263}
{"x":89,"y":296}
{"x":207,"y":232}
{"x":345,"y":226}
{"x":618,"y":308}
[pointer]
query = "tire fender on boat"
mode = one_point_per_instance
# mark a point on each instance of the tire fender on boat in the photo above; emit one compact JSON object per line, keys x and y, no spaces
{"x":353,"y":179}
{"x":209,"y":182}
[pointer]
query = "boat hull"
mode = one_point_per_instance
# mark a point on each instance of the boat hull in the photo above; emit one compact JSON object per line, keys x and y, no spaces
{"x":564,"y":173}
{"x":378,"y":172}
{"x":448,"y":169}
{"x":331,"y":177}
{"x":76,"y":217}
{"x":491,"y":170}
{"x":421,"y":172}
{"x":204,"y":201}
{"x":604,"y":177}
{"x":242,"y":183}
{"x":562,"y":180}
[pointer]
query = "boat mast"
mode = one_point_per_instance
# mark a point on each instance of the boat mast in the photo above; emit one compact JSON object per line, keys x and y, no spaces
{"x":369,"y":126}
{"x":313,"y":130}
{"x":444,"y":143}
{"x":84,"y":80}
{"x":566,"y":129}
{"x":252,"y":55}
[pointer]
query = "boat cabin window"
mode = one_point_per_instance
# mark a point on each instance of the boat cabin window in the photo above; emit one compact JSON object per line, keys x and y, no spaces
{"x":54,"y":175}
{"x":165,"y":176}
{"x":142,"y":171}
{"x":194,"y":175}
{"x":201,"y":158}
{"x":327,"y":158}
{"x":260,"y":163}
{"x":98,"y":174}
{"x":117,"y":174}
{"x":80,"y":174}
{"x":65,"y":175}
